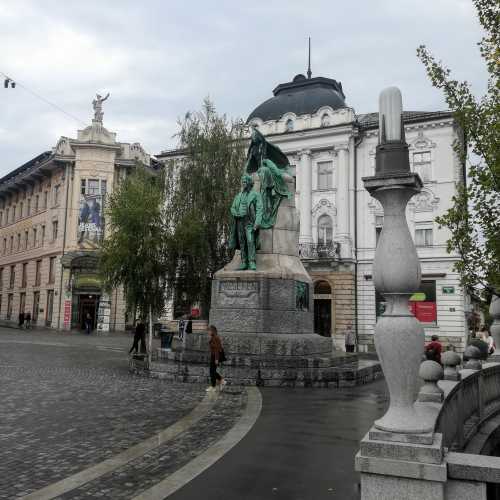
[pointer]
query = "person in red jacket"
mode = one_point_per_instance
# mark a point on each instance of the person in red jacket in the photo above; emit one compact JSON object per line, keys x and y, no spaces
{"x":433,"y":349}
{"x":216,"y":357}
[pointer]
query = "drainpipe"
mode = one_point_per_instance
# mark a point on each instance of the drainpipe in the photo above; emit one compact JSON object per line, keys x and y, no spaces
{"x":357,"y":142}
{"x":69,"y":169}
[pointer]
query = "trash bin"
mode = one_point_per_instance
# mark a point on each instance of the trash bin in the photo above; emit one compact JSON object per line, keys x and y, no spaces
{"x":166,"y":338}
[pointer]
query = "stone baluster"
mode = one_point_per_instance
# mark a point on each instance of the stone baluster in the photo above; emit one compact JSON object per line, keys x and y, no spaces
{"x":495,"y":314}
{"x":431,"y":372}
{"x":399,"y":336}
{"x":473,"y":356}
{"x":451,"y":360}
{"x":305,"y":196}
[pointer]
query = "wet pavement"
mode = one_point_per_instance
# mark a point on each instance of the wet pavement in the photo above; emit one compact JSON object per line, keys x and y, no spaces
{"x":69,"y":402}
{"x":301,"y":448}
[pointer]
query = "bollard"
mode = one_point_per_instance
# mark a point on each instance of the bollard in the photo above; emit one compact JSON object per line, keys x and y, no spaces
{"x":430,"y":392}
{"x":451,"y":360}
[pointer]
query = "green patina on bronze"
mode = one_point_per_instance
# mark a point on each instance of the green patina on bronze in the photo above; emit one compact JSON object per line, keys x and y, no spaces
{"x":270,"y":163}
{"x":301,"y":296}
{"x":247,"y":219}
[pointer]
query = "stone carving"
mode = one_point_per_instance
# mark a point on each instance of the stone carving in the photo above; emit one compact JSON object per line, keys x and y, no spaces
{"x":325,"y":206}
{"x":424,"y":201}
{"x":97,"y":105}
{"x":422,"y":142}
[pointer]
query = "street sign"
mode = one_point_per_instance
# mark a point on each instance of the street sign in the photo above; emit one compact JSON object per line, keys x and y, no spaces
{"x":448,"y":289}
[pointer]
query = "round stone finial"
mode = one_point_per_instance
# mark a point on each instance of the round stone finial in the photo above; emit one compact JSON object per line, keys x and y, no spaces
{"x":450,"y":358}
{"x":430,"y":371}
{"x":473,"y":356}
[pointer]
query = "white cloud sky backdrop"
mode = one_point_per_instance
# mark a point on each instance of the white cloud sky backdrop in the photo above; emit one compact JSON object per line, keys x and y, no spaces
{"x":159,"y":59}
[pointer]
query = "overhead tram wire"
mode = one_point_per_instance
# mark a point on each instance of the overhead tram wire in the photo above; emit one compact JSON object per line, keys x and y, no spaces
{"x":46,"y":101}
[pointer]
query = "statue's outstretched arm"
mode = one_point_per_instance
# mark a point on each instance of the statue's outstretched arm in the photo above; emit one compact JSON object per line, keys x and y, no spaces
{"x":107,"y":95}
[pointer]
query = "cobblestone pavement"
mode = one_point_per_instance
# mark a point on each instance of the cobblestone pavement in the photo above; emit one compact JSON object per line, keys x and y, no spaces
{"x":68,"y":402}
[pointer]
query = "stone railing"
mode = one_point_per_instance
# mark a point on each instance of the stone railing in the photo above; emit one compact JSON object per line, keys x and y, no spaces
{"x":318,"y":251}
{"x":470,"y":403}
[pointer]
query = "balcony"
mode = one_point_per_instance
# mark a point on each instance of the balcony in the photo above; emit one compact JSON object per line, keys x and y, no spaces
{"x":319,"y":251}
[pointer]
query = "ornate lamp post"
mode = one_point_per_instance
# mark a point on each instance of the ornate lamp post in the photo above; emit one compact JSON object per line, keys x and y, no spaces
{"x":399,"y":337}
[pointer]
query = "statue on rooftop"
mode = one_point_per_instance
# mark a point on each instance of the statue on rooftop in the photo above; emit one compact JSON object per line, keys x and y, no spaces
{"x":270,"y":163}
{"x":97,"y":105}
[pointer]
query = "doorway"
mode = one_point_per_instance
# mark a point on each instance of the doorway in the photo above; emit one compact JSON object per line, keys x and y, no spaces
{"x":323,"y":308}
{"x":88,"y":305}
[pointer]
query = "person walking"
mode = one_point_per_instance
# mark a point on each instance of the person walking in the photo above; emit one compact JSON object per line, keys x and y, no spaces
{"x":88,"y":324}
{"x":139,"y":335}
{"x":350,"y":340}
{"x":27,"y":320}
{"x":433,"y":349}
{"x":216,"y":357}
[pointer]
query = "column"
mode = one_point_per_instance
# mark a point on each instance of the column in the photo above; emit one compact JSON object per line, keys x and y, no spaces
{"x":305,"y":197}
{"x":343,"y":214}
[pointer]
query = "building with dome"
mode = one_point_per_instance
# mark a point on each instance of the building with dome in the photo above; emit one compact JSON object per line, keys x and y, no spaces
{"x":331,"y":149}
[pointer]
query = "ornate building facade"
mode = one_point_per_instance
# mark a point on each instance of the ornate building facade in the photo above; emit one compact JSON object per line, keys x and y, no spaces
{"x":330,"y":149}
{"x":51,"y":225}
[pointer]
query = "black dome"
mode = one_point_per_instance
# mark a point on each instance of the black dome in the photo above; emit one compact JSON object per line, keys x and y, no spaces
{"x":301,"y":96}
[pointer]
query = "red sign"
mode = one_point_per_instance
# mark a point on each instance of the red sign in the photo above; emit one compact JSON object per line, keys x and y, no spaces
{"x":424,"y":311}
{"x":67,"y":313}
{"x":195,"y":312}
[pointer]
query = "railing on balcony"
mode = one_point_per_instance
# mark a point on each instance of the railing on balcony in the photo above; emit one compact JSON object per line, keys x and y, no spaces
{"x":317,"y":251}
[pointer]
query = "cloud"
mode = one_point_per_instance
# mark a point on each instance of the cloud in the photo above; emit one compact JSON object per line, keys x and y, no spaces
{"x":159,"y":59}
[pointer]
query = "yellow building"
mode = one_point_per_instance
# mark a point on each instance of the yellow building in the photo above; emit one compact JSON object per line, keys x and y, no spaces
{"x":51,"y":224}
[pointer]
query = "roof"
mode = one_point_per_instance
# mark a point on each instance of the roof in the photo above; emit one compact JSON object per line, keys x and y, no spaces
{"x":301,"y":96}
{"x":34,"y":161}
{"x":370,"y":120}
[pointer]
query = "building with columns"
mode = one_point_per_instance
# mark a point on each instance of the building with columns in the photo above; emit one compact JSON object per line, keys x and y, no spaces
{"x":51,"y":225}
{"x":330,"y":149}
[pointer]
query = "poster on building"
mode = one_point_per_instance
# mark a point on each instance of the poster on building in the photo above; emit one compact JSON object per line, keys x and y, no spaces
{"x":90,"y":219}
{"x":67,"y":314}
{"x":103,"y":314}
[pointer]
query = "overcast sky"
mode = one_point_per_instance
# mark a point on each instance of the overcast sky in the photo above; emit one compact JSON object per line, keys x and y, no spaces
{"x":159,"y":59}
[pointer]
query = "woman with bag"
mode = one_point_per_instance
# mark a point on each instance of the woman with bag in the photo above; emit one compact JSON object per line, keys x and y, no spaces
{"x":217,"y":356}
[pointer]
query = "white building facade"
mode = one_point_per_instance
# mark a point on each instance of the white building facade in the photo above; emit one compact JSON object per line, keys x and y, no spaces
{"x":331,"y":149}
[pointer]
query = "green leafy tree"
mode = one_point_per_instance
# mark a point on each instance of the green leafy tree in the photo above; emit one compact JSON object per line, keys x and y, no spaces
{"x":133,"y":253}
{"x":474,"y":218}
{"x":200,"y":187}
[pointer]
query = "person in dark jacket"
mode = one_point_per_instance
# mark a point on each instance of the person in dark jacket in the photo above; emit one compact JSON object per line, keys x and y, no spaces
{"x":215,"y":344}
{"x":139,"y":335}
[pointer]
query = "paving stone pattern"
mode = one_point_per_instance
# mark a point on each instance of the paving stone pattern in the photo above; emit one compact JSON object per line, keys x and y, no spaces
{"x":64,"y":408}
{"x":146,"y":471}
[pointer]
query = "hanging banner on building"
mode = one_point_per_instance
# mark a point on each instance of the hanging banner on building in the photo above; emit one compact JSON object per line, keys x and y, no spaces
{"x":90,"y":219}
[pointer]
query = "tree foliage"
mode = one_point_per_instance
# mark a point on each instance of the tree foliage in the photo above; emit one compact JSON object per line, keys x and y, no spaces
{"x":474,"y":218}
{"x":200,"y":187}
{"x":133,"y":253}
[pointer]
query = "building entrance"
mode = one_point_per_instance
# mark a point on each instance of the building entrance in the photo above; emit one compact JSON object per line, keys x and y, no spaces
{"x":87,"y":304}
{"x":323,"y":308}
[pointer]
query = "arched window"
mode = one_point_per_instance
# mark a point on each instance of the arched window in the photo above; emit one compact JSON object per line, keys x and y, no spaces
{"x":325,"y":230}
{"x":322,"y":288}
{"x":325,"y":120}
{"x":289,"y":125}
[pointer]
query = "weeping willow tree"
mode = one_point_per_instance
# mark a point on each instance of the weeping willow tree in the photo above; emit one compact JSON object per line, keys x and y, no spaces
{"x":133,"y":253}
{"x":200,"y":187}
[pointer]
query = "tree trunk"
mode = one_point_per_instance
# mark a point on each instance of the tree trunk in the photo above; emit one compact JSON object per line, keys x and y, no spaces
{"x":150,"y":336}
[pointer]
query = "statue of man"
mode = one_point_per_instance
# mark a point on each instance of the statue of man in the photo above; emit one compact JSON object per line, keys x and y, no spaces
{"x":97,"y":105}
{"x":247,"y":218}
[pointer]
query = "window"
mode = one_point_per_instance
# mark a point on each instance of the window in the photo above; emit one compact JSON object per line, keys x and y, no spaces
{"x":34,"y":237}
{"x":36,"y":303}
{"x":4,"y":246}
{"x":325,"y":120}
{"x":423,"y":237}
{"x":325,"y":230}
{"x":13,"y":213}
{"x":43,"y":235}
{"x":11,"y":249}
{"x":50,"y":305}
{"x":82,"y":186}
{"x":18,"y":241}
{"x":289,"y":125}
{"x":325,"y":175}
{"x":422,"y":165}
{"x":1,"y":219}
{"x":379,"y":223}
{"x":0,"y":303}
{"x":38,"y":273}
{"x":28,"y":207}
{"x":45,"y":199}
{"x":104,"y":187}
{"x":40,"y":187}
{"x":422,"y":303}
{"x":1,"y":278}
{"x":52,"y":270}
{"x":92,"y":186}
{"x":54,"y":230}
{"x":24,"y":276}
{"x":22,"y":302}
{"x":26,"y":237}
{"x":12,"y":276}
{"x":10,"y":300}
{"x":21,"y":210}
{"x":37,"y":200}
{"x":6,"y":216}
{"x":56,"y":194}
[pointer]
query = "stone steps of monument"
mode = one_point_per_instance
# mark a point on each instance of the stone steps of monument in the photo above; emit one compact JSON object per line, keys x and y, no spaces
{"x":337,"y":371}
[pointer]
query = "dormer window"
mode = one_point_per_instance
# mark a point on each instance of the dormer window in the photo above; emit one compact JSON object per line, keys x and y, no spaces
{"x":325,"y":120}
{"x":289,"y":125}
